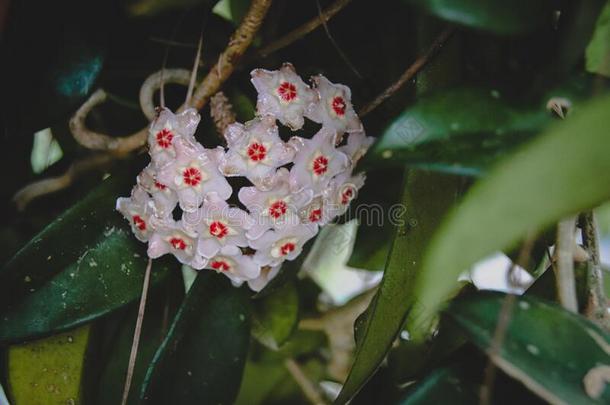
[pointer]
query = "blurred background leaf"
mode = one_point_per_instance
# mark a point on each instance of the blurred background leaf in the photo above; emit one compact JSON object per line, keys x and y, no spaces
{"x":48,"y":370}
{"x":496,"y":16}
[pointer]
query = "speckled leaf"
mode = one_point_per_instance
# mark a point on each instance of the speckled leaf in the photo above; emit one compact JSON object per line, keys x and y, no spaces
{"x":496,"y":16}
{"x":275,"y":316}
{"x":547,"y":348}
{"x":49,"y":370}
{"x":202,"y":358}
{"x":83,"y":265}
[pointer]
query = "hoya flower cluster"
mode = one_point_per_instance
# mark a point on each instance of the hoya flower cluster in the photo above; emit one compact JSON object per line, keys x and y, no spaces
{"x":297,"y":185}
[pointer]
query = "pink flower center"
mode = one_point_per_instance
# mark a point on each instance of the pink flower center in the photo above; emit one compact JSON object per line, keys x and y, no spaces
{"x":320,"y":165}
{"x":220,"y":265}
{"x":278,"y":208}
{"x":347,"y":195}
{"x":315,"y":215}
{"x":218,"y":229}
{"x":139,"y":223}
{"x":257,"y":152}
{"x":160,"y":186}
{"x":287,"y":248}
{"x":338,"y":105}
{"x":287,"y":91}
{"x":177,"y":243}
{"x":191,"y":176}
{"x":164,"y":138}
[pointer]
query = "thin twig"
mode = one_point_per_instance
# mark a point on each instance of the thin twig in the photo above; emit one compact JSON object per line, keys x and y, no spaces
{"x":169,"y":42}
{"x":504,"y":318}
{"x":411,"y":71}
{"x":302,"y":30}
{"x":164,"y":65}
{"x":228,"y":59}
{"x":43,"y":187}
{"x":595,"y":308}
{"x":136,"y":333}
{"x":334,"y":43}
{"x":189,"y":92}
{"x":564,"y":271}
{"x":309,"y":389}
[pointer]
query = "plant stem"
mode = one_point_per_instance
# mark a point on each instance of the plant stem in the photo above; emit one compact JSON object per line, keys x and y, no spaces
{"x":136,"y":334}
{"x":596,"y":299}
{"x":564,"y":271}
{"x":307,"y":386}
{"x":303,"y":30}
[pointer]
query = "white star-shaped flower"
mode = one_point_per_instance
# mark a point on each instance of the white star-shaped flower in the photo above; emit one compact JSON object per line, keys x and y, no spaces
{"x":167,"y":129}
{"x":282,"y":94}
{"x":255,"y":150}
{"x":231,"y":262}
{"x":276,"y":207}
{"x":275,"y":246}
{"x":334,"y":109}
{"x":218,"y":225}
{"x":139,"y":211}
{"x":173,"y":239}
{"x":316,"y":162}
{"x":193,"y":174}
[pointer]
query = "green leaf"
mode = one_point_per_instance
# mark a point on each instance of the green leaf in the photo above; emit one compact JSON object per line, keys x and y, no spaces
{"x":426,"y":196}
{"x":276,"y":316}
{"x":48,"y":370}
{"x":460,"y":131}
{"x":497,"y":16}
{"x":447,"y":385}
{"x":83,"y":265}
{"x":201,"y":360}
{"x":597,"y":55}
{"x":559,"y":173}
{"x":547,"y":348}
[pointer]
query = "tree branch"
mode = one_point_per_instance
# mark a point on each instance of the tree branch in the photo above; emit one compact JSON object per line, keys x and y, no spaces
{"x":411,"y":71}
{"x":239,"y":42}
